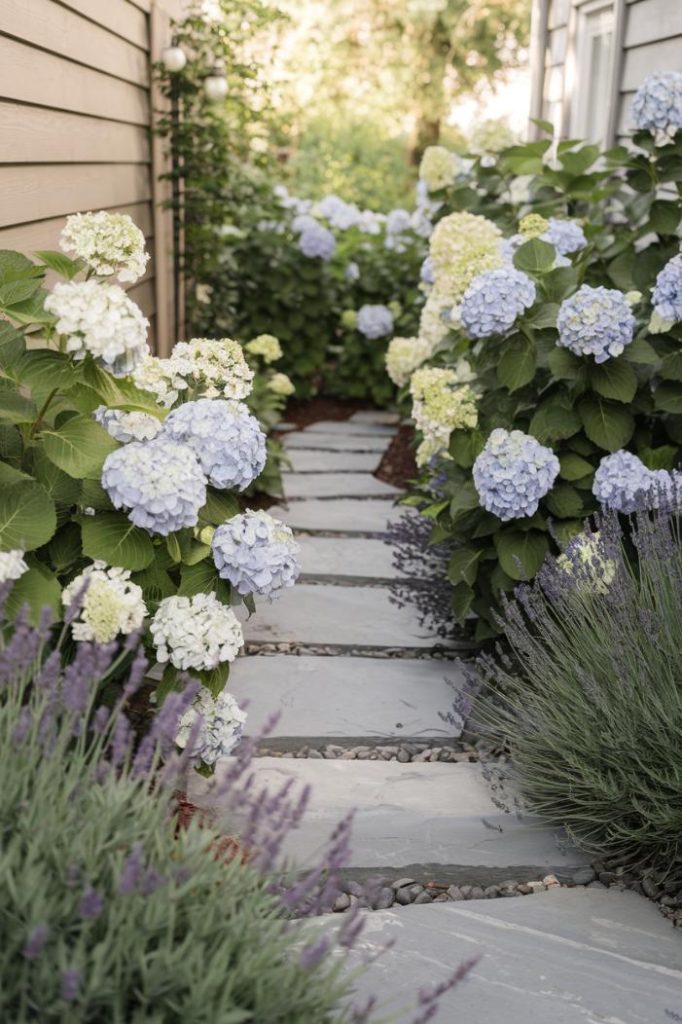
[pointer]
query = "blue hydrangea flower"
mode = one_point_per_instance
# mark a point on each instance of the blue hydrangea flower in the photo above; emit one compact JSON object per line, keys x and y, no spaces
{"x":493,"y":301}
{"x":256,"y":554}
{"x":657,"y":105}
{"x":375,"y":321}
{"x":226,"y":438}
{"x":159,"y":482}
{"x":317,"y":243}
{"x":426,"y":272}
{"x":623,"y":483}
{"x":565,"y":235}
{"x":667,"y":293}
{"x":595,"y":322}
{"x":512,"y":473}
{"x":302,"y":222}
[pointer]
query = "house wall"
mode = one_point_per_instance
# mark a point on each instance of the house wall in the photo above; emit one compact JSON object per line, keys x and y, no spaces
{"x":76,"y":109}
{"x":648,"y":38}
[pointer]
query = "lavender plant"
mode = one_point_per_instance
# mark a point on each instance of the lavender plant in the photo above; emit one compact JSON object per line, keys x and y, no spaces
{"x":107,"y":910}
{"x":421,"y":571}
{"x":590,"y":700}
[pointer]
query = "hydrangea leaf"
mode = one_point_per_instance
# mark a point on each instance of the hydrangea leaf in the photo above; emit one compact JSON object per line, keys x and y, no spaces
{"x":640,"y":351}
{"x":614,"y":379}
{"x":28,"y":518}
{"x":38,"y":588}
{"x":668,"y":398}
{"x":554,"y":420}
{"x":60,"y":263}
{"x":535,"y":256}
{"x":518,"y":363}
{"x":463,"y":565}
{"x":462,"y":598}
{"x":521,"y":554}
{"x":564,"y":502}
{"x":609,"y":426}
{"x":79,"y":447}
{"x":574,"y":467}
{"x":111,"y":537}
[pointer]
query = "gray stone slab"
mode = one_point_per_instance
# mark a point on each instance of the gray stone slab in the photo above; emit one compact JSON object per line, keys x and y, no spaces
{"x":566,"y":956}
{"x":336,"y":442}
{"x":329,"y":614}
{"x":349,"y":427}
{"x":438,"y":816}
{"x":285,"y":427}
{"x":345,"y":698}
{"x":347,"y":556}
{"x":334,"y":485}
{"x":343,"y":515}
{"x":376,"y":416}
{"x":303,"y":461}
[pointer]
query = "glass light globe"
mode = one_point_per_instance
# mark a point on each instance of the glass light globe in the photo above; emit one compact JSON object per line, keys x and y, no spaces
{"x":174,"y":58}
{"x":215,"y":87}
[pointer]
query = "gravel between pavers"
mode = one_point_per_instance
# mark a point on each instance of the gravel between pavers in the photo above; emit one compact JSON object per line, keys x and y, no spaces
{"x":454,"y":751}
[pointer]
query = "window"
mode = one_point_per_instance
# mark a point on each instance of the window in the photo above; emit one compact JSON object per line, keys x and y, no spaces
{"x":592,"y":72}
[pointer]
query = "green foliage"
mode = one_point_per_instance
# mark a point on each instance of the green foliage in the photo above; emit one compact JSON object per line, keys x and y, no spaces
{"x":109,"y":911}
{"x":582,"y":410}
{"x":591,"y":702}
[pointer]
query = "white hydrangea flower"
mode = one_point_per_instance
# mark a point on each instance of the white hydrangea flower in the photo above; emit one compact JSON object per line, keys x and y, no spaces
{"x":439,"y":167}
{"x":267,"y":346}
{"x":110,"y":603}
{"x":281,"y":384}
{"x":206,"y":368}
{"x":127,"y":426}
{"x":108,"y":243}
{"x":222,"y":725}
{"x":463,"y":245}
{"x":100,"y":319}
{"x":403,"y":356}
{"x":12,"y":565}
{"x":197,"y":632}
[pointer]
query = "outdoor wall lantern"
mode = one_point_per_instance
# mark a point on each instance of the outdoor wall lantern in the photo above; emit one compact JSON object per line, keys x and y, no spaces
{"x":174,"y":58}
{"x":215,"y":84}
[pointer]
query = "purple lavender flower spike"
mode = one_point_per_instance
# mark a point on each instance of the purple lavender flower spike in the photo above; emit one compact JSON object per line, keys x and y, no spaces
{"x":71,"y":984}
{"x":35,"y":942}
{"x":91,"y":904}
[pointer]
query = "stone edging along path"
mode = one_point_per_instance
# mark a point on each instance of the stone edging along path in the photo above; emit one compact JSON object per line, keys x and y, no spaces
{"x":362,"y":689}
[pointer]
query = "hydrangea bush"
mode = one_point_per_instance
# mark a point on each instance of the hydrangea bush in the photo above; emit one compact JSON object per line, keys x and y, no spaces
{"x":555,"y":273}
{"x":117,"y":467}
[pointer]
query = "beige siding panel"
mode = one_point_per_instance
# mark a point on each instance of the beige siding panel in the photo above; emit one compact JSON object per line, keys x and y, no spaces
{"x":143,"y":295}
{"x":35,"y":77}
{"x":36,"y":135}
{"x":44,"y":234}
{"x":558,"y":13}
{"x":36,"y":192}
{"x":556,"y":48}
{"x":625,"y":125}
{"x":123,"y":19}
{"x":660,"y":56}
{"x":142,"y":5}
{"x":652,"y":20}
{"x":52,"y":27}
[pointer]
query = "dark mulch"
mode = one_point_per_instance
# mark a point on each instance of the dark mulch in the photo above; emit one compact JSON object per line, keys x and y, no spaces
{"x":304,"y":413}
{"x":398,"y":466}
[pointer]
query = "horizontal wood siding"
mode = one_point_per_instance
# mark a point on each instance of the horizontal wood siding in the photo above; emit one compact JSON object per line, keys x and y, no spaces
{"x":75,"y":119}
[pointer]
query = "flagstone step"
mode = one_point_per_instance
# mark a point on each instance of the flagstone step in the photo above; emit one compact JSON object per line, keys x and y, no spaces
{"x":336,"y":442}
{"x":316,"y":461}
{"x":350,"y":427}
{"x":376,"y":416}
{"x":332,"y":614}
{"x":428,"y":818}
{"x":343,"y":515}
{"x":565,"y":956}
{"x":334,"y":485}
{"x":346,"y":556}
{"x":325,"y":699}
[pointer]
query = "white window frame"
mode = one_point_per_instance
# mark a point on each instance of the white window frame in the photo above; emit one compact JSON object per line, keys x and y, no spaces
{"x":577,"y":91}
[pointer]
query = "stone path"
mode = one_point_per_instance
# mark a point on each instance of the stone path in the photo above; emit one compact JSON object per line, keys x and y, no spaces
{"x":346,"y":667}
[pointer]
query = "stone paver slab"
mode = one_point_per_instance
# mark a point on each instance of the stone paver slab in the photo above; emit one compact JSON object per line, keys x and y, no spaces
{"x":376,"y":416}
{"x":325,"y":462}
{"x":345,"y":698}
{"x":343,"y":515}
{"x":334,"y":485}
{"x":349,"y":427}
{"x":336,"y":442}
{"x":566,"y":956}
{"x":329,"y":614}
{"x":347,"y":556}
{"x":420,"y":814}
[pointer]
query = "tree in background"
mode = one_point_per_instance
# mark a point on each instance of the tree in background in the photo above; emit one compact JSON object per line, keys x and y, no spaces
{"x":396,"y":67}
